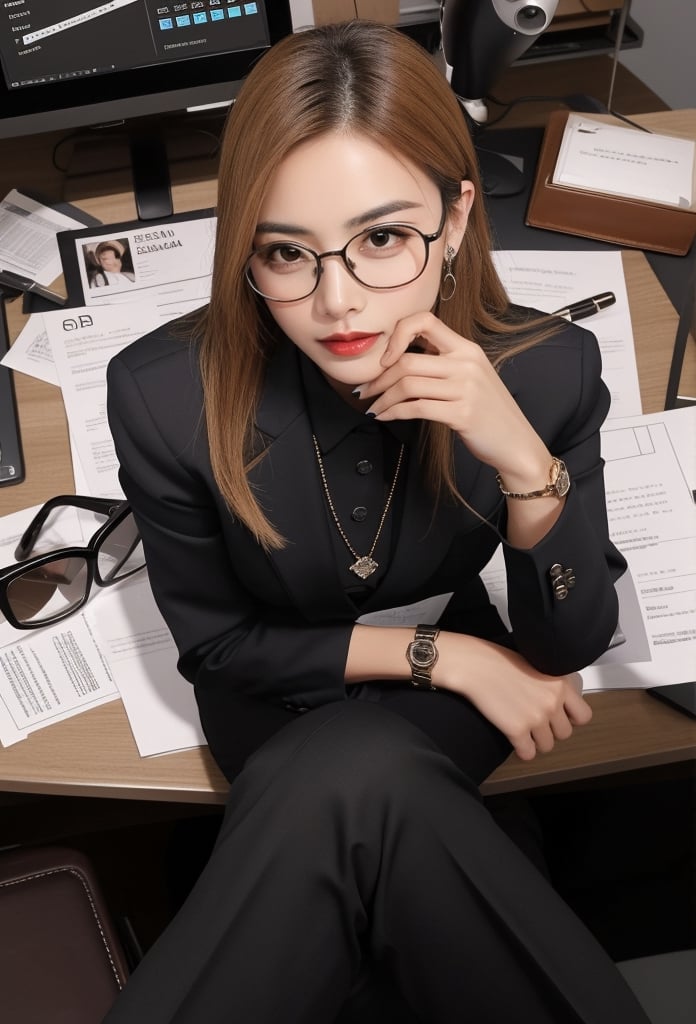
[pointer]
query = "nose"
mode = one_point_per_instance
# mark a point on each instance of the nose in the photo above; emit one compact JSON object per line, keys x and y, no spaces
{"x":338,"y":292}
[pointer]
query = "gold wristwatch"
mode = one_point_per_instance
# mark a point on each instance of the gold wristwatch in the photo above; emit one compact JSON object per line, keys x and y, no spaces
{"x":422,"y":655}
{"x":557,"y":487}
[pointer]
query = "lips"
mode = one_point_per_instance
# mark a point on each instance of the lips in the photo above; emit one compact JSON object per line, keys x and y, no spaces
{"x":354,"y":343}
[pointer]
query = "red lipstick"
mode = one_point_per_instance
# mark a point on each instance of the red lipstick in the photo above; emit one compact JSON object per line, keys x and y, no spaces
{"x":353,"y":343}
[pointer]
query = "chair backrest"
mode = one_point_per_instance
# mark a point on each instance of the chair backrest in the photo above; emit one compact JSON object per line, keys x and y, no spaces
{"x":60,"y":958}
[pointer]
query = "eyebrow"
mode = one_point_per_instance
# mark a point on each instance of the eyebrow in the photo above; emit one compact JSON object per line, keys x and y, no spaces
{"x":270,"y":227}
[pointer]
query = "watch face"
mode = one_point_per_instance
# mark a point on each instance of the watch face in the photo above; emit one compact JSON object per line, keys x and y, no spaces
{"x":562,"y":481}
{"x":422,"y":653}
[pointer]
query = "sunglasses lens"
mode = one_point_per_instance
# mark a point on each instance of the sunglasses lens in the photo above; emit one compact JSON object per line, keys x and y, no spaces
{"x":48,"y":591}
{"x":121,"y":552}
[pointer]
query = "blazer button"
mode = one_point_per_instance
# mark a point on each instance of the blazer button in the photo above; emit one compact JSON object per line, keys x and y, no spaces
{"x":562,"y":580}
{"x":363,"y":467}
{"x":359,"y":514}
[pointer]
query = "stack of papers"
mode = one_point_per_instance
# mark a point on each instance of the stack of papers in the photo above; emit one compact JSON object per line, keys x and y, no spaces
{"x":28,"y":232}
{"x":600,"y":157}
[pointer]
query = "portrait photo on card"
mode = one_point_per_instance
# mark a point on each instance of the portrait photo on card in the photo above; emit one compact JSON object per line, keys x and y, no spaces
{"x":108,"y":263}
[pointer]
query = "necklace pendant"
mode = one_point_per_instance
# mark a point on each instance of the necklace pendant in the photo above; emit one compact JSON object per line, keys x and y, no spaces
{"x":364,"y":567}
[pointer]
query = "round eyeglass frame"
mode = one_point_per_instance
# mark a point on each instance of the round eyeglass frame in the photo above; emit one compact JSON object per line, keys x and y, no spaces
{"x":428,"y":239}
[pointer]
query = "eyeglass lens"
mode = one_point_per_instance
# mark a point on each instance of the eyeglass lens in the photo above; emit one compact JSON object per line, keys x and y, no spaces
{"x":47,"y":590}
{"x":382,"y":257}
{"x":57,"y":587}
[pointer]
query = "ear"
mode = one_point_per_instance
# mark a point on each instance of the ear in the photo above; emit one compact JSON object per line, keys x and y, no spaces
{"x":459,"y":215}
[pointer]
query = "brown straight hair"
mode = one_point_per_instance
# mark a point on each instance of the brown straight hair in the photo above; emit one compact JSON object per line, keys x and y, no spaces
{"x":366,"y":79}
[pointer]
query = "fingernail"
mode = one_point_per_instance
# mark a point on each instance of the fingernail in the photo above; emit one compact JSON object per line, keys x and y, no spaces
{"x":356,"y":391}
{"x":371,"y":414}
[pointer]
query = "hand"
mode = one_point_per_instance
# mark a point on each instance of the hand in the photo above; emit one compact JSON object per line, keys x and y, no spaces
{"x":532,"y":709}
{"x":453,"y":382}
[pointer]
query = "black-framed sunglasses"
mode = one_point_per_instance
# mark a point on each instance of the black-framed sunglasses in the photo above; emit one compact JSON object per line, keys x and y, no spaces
{"x":44,"y":589}
{"x":381,"y":257}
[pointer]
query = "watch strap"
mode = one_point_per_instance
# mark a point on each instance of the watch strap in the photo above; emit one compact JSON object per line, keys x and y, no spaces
{"x":558,"y":485}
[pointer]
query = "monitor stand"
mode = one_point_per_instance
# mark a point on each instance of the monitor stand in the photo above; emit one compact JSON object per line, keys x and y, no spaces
{"x":139,"y":166}
{"x":152,"y":186}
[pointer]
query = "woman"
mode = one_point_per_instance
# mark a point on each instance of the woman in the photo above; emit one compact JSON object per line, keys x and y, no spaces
{"x":329,"y":444}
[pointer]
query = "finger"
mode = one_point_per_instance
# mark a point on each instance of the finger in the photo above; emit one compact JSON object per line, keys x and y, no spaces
{"x":577,"y":709}
{"x":419,"y":409}
{"x":543,"y":737}
{"x":411,"y":364}
{"x":524,"y":746}
{"x":561,"y":726}
{"x":420,"y":325}
{"x":413,"y":388}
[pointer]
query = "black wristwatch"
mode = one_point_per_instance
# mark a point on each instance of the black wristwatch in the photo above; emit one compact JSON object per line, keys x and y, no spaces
{"x":421,"y":655}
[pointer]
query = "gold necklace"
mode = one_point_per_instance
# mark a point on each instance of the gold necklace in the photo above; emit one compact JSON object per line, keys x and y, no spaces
{"x":364,"y":565}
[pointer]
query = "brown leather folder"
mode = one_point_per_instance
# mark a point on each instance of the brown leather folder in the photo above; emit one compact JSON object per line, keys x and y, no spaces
{"x":630,"y":223}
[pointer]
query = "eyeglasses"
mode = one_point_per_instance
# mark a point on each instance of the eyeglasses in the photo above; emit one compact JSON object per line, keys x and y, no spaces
{"x":383,"y":256}
{"x":47,"y":588}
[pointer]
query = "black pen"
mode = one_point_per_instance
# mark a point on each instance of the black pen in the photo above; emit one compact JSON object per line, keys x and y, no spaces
{"x":26,"y":284}
{"x":586,"y":307}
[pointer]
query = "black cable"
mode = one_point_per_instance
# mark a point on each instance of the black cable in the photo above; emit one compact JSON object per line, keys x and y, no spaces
{"x":509,"y":104}
{"x":574,"y":102}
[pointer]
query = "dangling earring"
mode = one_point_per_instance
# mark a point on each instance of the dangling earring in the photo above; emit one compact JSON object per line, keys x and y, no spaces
{"x":449,"y":282}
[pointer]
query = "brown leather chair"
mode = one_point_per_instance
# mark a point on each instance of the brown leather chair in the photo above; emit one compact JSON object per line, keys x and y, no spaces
{"x":60,"y":958}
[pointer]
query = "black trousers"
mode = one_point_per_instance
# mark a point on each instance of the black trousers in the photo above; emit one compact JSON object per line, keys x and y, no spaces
{"x":350,"y":838}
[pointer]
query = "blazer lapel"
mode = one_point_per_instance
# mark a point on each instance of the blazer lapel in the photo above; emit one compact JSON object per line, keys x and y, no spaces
{"x":289,"y":488}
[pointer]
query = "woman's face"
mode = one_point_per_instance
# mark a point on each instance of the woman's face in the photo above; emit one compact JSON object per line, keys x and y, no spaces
{"x":109,"y":260}
{"x":325,"y":192}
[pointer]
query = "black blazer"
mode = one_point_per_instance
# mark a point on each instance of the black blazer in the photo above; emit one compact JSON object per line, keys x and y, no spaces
{"x":257,"y":630}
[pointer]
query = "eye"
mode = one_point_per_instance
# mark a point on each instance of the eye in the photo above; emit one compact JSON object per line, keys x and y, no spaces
{"x":382,"y":241}
{"x":284,"y":256}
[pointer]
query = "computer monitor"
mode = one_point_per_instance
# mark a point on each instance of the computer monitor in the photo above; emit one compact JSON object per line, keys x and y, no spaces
{"x":76,"y":63}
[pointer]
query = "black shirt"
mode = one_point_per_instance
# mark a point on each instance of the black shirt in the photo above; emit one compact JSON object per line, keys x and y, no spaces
{"x":360,"y":457}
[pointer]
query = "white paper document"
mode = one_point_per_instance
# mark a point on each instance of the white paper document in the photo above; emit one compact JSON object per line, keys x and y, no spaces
{"x":600,"y":157}
{"x":160,"y":703}
{"x":31,"y":353}
{"x":53,"y":673}
{"x":28,"y":230}
{"x":82,"y":342}
{"x":652,"y":520}
{"x":554,"y":280}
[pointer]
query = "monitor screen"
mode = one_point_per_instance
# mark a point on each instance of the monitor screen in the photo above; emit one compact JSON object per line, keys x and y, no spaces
{"x":67,"y":63}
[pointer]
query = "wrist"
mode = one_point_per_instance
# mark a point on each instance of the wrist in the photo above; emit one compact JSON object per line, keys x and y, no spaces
{"x":527,"y":474}
{"x":459,"y":656}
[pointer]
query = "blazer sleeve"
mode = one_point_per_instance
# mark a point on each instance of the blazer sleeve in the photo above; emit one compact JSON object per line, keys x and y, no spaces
{"x":559,"y":387}
{"x":226,"y":637}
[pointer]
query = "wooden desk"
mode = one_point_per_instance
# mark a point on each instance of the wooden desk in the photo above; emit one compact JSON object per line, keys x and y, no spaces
{"x":94,"y":754}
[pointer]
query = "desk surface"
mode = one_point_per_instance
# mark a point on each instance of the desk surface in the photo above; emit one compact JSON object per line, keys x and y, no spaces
{"x":94,"y":753}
